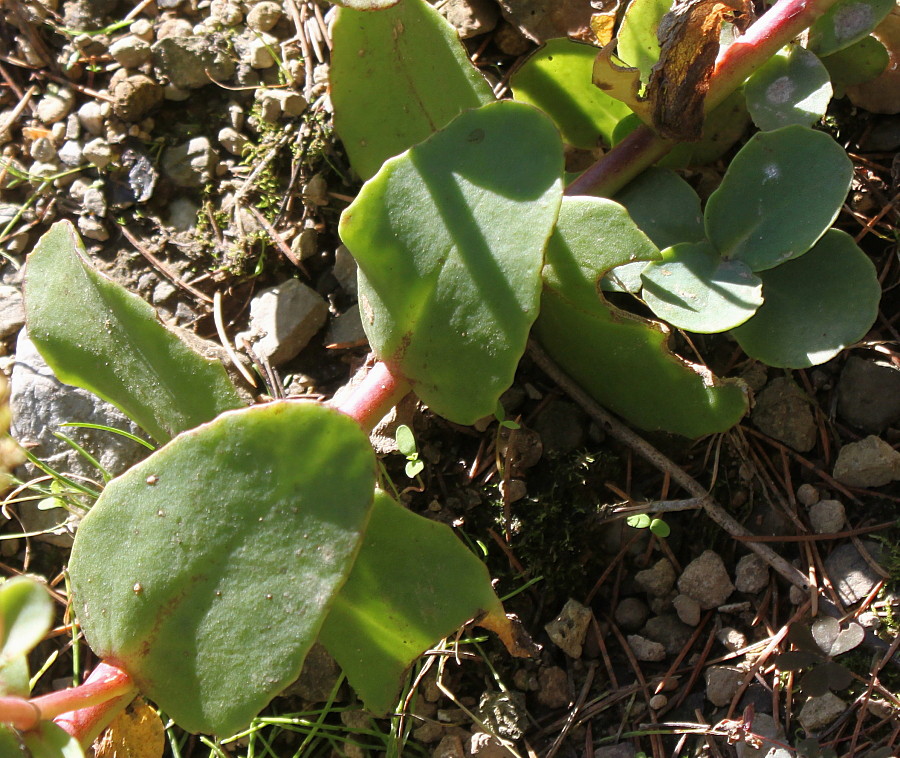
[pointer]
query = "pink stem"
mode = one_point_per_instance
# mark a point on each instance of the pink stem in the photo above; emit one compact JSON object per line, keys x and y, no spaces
{"x":19,"y":713}
{"x":643,"y":147}
{"x":374,"y":396}
{"x":85,"y":711}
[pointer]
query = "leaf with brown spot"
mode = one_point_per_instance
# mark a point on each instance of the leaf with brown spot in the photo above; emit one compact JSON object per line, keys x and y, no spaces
{"x":620,"y":81}
{"x":689,"y":43}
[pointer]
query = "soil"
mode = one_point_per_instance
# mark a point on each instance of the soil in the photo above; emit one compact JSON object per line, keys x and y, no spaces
{"x":657,"y":669}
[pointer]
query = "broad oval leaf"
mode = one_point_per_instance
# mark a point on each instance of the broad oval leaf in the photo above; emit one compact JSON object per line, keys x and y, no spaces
{"x":206,"y":570}
{"x":779,"y":195}
{"x":637,"y":43}
{"x":694,"y":289}
{"x":832,"y":639}
{"x":397,"y":75}
{"x":814,"y":306}
{"x":449,"y":238}
{"x":47,"y":740}
{"x":859,"y":63}
{"x":413,"y":584}
{"x":846,"y":22}
{"x":98,"y":336}
{"x":621,"y":359}
{"x":26,"y":615}
{"x":666,"y":209}
{"x":792,"y":87}
{"x":557,"y":79}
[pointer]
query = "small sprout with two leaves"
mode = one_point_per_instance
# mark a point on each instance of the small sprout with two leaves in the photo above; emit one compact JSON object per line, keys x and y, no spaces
{"x":406,"y":444}
{"x":644,"y":521}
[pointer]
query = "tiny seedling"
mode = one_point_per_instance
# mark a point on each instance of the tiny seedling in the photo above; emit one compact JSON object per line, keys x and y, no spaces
{"x":657,"y":526}
{"x":816,"y":645}
{"x":406,"y":444}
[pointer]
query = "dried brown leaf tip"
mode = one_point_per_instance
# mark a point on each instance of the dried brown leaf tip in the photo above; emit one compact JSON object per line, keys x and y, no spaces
{"x":689,"y":44}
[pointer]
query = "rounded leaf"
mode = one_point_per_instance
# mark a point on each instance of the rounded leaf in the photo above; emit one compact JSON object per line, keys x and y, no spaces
{"x":792,"y":87}
{"x":397,"y":75}
{"x":26,"y":615}
{"x":846,"y":22}
{"x":206,"y":571}
{"x":814,"y":306}
{"x":450,"y":240}
{"x":779,"y":195}
{"x":637,"y":43}
{"x":859,"y":63}
{"x":557,"y":79}
{"x":694,"y":289}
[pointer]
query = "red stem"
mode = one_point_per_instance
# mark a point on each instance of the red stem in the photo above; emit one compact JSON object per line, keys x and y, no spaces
{"x":378,"y":392}
{"x":643,"y":147}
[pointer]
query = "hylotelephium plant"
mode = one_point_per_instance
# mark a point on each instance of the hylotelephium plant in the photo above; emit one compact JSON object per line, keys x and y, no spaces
{"x":203,"y":575}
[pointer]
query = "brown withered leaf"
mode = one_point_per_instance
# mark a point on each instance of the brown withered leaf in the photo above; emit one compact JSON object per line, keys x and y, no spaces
{"x":689,"y":44}
{"x":620,"y":81}
{"x":137,"y":732}
{"x":540,"y":20}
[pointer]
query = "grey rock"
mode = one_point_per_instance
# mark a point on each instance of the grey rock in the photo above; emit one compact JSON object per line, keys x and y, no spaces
{"x":40,"y":404}
{"x":818,"y":713}
{"x":93,"y":228}
{"x":658,"y":580}
{"x":87,"y":14}
{"x":852,"y":577}
{"x":669,"y":631}
{"x":751,"y":574}
{"x":688,"y":609}
{"x":135,"y":96}
{"x":782,"y":411}
{"x":827,"y":516}
{"x":182,"y":214}
{"x":44,"y":170}
{"x":631,"y":614}
{"x":871,"y":462}
{"x":315,"y":191}
{"x":470,"y":17}
{"x":71,"y":154}
{"x":94,"y":201}
{"x":284,"y":319}
{"x":317,"y":678}
{"x":450,"y":746}
{"x":185,"y":61}
{"x":55,"y":105}
{"x":347,"y":330}
{"x":764,"y":726}
{"x":808,"y":495}
{"x":706,"y":580}
{"x":869,"y":394}
{"x":504,"y":713}
{"x":12,"y":310}
{"x":263,"y":16}
{"x":191,"y":164}
{"x":646,"y":650}
{"x":722,"y":683}
{"x":98,"y":152}
{"x":345,"y":270}
{"x":42,"y":149}
{"x":173,"y":26}
{"x":731,"y":638}
{"x":91,"y":116}
{"x":275,"y":103}
{"x":142,"y":28}
{"x":568,"y":630}
{"x":561,"y":427}
{"x":225,"y":12}
{"x":232,"y":140}
{"x":130,"y":51}
{"x":256,"y":51}
{"x":554,"y":687}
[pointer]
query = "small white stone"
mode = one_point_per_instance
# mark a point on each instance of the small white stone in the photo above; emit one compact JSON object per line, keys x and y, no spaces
{"x":751,"y":574}
{"x":646,"y":650}
{"x":263,"y":16}
{"x":827,"y":516}
{"x":42,"y":150}
{"x":92,"y":228}
{"x":98,"y":152}
{"x":807,"y":494}
{"x":142,"y":28}
{"x":91,"y":117}
{"x":55,"y":106}
{"x":688,"y":609}
{"x":232,"y":140}
{"x":818,"y":713}
{"x":71,"y":153}
{"x":130,"y":51}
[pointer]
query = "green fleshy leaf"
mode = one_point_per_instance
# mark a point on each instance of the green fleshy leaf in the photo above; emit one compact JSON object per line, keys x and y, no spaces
{"x":779,"y":195}
{"x":660,"y":528}
{"x":557,"y":79}
{"x":48,"y":740}
{"x":814,"y":306}
{"x":207,"y":570}
{"x":620,"y":359}
{"x":861,"y":62}
{"x":96,"y":335}
{"x":397,"y":76}
{"x":637,"y":44}
{"x":449,"y":291}
{"x":792,"y":87}
{"x":666,"y":209}
{"x":26,"y":615}
{"x":15,"y":678}
{"x":413,"y":583}
{"x":694,"y":289}
{"x":845,"y":23}
{"x":406,"y":442}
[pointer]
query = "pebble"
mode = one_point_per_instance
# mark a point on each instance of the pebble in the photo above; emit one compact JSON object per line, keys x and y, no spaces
{"x":130,"y":51}
{"x":284,"y":318}
{"x":722,"y":683}
{"x":851,"y":575}
{"x":256,"y":53}
{"x":561,"y":427}
{"x":192,"y":163}
{"x":512,"y":490}
{"x":471,"y":17}
{"x":12,"y":310}
{"x":42,"y":149}
{"x":658,"y":702}
{"x":315,"y":191}
{"x":487,"y":746}
{"x":91,"y":116}
{"x":568,"y":630}
{"x":553,"y":689}
{"x":182,"y":214}
{"x":191,"y":62}
{"x":764,"y":726}
{"x":135,"y":96}
{"x":631,"y":614}
{"x":225,"y":12}
{"x":275,"y":103}
{"x":646,"y":650}
{"x":731,"y":638}
{"x":450,"y":746}
{"x":43,"y":170}
{"x":143,"y":29}
{"x":869,"y":394}
{"x":622,"y":750}
{"x":92,"y":228}
{"x":751,"y":574}
{"x":871,"y":462}
{"x":71,"y":154}
{"x":669,"y":631}
{"x":818,"y":713}
{"x":782,"y":411}
{"x":688,"y":609}
{"x":345,"y":270}
{"x":504,"y":713}
{"x":706,"y":580}
{"x":827,"y":516}
{"x":232,"y":140}
{"x":98,"y":152}
{"x":55,"y":105}
{"x":173,"y":27}
{"x":94,"y":201}
{"x":658,"y":580}
{"x":263,"y":16}
{"x":808,"y":495}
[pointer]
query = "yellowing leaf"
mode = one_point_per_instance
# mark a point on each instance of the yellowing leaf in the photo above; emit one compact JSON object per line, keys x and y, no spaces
{"x":620,"y":81}
{"x":137,"y":732}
